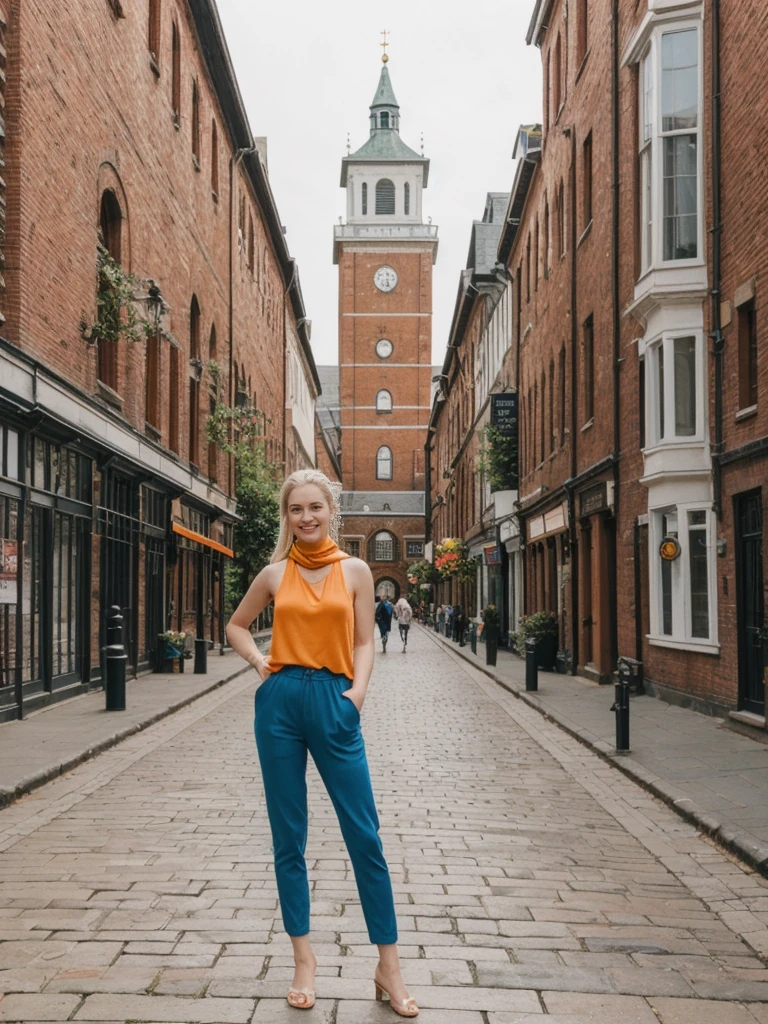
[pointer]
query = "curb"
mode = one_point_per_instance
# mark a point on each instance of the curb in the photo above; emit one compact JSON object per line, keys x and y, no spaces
{"x":9,"y":796}
{"x":745,"y":846}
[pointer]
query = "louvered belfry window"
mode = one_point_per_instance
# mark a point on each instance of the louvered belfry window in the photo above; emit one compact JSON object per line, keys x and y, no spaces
{"x":385,"y":196}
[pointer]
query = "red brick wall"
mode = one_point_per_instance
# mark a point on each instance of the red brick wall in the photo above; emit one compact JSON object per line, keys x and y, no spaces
{"x":363,"y":528}
{"x":86,"y":111}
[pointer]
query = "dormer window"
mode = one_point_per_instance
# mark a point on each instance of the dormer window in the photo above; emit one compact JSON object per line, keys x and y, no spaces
{"x":385,"y":196}
{"x":384,"y":119}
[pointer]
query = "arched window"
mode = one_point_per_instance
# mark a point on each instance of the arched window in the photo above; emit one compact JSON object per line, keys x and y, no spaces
{"x":365,"y":198}
{"x":383,"y":547}
{"x":385,"y":196}
{"x":196,"y":124}
{"x":384,"y":119}
{"x":383,"y":401}
{"x":251,"y":242}
{"x":214,"y":160}
{"x":176,"y":75}
{"x":111,"y":230}
{"x":194,"y":382}
{"x":384,"y":463}
{"x":407,"y":199}
{"x":153,"y":37}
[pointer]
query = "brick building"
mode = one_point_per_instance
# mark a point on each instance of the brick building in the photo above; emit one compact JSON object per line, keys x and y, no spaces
{"x":126,"y":127}
{"x":479,"y":362}
{"x":636,"y":271}
{"x":385,"y":254}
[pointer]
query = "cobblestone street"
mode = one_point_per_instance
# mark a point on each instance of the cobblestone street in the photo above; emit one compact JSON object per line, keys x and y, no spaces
{"x":532,"y":878}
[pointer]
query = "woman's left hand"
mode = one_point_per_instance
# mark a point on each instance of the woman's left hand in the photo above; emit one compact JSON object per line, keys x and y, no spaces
{"x":355,"y":696}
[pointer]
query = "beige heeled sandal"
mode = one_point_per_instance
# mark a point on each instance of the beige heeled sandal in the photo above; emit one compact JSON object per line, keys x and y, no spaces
{"x":301,"y":998}
{"x":406,"y":1008}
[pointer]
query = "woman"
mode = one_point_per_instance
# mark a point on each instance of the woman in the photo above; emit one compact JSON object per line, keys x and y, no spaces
{"x":314,"y":683}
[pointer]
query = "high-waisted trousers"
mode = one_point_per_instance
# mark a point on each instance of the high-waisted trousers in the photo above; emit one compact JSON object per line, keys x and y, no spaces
{"x":300,"y":710}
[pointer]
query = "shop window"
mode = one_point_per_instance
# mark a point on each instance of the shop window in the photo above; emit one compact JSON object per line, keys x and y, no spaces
{"x":683,"y":609}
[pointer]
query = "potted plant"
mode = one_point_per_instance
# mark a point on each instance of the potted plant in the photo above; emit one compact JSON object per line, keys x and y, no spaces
{"x":170,"y":646}
{"x":542,"y":628}
{"x":491,"y":632}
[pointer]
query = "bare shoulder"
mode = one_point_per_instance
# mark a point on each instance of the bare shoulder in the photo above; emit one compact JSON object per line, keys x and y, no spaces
{"x":356,"y":572}
{"x":272,"y":575}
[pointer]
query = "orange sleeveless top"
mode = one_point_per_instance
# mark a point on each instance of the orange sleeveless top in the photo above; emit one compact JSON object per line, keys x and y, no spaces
{"x":314,"y":629}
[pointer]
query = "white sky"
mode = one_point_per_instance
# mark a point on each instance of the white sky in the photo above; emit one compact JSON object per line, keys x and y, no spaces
{"x":308,"y":71}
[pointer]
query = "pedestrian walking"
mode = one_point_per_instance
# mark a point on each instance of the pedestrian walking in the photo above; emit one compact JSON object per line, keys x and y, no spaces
{"x":314,"y":682}
{"x":458,"y":625}
{"x":440,"y":618}
{"x":403,"y":614}
{"x":448,"y":621}
{"x":383,"y":617}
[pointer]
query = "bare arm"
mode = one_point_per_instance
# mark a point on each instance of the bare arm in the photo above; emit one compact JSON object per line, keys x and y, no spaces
{"x":260,"y":593}
{"x":361,"y":589}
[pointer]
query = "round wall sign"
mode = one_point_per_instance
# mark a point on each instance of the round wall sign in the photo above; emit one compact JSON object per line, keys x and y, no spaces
{"x":669,"y":549}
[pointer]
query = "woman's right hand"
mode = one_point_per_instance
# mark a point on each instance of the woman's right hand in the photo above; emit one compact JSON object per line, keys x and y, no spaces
{"x":262,"y":668}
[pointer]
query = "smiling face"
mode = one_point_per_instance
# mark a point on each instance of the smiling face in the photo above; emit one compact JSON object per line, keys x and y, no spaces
{"x":309,"y":515}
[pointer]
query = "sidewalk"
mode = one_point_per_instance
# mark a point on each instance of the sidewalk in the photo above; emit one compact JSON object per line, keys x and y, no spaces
{"x":59,"y":737}
{"x":711,"y":775}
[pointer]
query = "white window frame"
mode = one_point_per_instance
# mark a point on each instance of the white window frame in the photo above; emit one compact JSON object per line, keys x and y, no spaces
{"x":413,"y":540}
{"x":651,"y":151}
{"x":681,"y":637}
{"x":384,"y":401}
{"x":381,"y":459}
{"x":666,"y":340}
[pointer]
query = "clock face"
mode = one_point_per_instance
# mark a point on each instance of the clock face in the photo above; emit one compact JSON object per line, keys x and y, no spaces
{"x":383,"y":348}
{"x":385,"y":279}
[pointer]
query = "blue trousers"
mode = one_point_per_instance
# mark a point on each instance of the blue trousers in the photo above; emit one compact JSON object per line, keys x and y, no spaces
{"x":300,"y":710}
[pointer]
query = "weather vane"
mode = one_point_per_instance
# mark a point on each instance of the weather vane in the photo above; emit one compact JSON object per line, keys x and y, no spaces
{"x":348,"y":145}
{"x":384,"y":45}
{"x":422,"y":143}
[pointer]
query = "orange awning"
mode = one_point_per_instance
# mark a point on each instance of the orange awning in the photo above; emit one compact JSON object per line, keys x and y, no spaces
{"x":200,"y":539}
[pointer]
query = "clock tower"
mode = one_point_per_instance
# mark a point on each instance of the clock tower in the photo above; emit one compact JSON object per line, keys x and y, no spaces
{"x":385,"y":253}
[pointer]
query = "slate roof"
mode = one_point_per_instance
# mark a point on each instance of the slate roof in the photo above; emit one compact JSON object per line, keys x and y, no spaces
{"x":329,"y":382}
{"x":385,"y":94}
{"x":408,"y":502}
{"x":385,"y":144}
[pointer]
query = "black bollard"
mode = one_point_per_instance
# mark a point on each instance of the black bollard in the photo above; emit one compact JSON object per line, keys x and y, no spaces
{"x":201,"y":655}
{"x":115,"y":660}
{"x":621,"y":706}
{"x":531,"y":668}
{"x":473,"y":637}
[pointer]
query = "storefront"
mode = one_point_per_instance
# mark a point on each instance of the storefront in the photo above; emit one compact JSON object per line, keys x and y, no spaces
{"x":548,"y":566}
{"x":597,"y":580}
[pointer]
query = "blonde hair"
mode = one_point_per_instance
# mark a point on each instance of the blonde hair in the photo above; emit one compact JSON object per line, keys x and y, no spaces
{"x":331,"y":492}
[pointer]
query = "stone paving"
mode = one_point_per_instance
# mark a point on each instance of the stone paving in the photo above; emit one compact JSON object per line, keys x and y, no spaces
{"x":533,"y":880}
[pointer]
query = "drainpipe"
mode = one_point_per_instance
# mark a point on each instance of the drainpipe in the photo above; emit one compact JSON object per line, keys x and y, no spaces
{"x":717,"y":231}
{"x":427,"y":491}
{"x":615,"y":299}
{"x":572,"y":526}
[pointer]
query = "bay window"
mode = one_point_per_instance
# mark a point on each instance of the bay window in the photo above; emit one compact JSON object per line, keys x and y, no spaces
{"x":675,"y":400}
{"x":669,"y":148}
{"x":683,"y":587}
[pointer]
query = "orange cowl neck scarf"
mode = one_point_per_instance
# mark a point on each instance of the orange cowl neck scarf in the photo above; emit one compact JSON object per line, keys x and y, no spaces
{"x":316,"y":556}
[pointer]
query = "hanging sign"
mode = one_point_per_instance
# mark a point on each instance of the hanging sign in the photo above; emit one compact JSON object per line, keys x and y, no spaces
{"x":504,"y":413}
{"x":9,"y":571}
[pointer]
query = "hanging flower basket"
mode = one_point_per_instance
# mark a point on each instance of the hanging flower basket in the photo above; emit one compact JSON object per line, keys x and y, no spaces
{"x":452,"y":560}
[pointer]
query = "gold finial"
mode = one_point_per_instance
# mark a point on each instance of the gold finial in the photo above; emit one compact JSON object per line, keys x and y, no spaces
{"x":384,"y":45}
